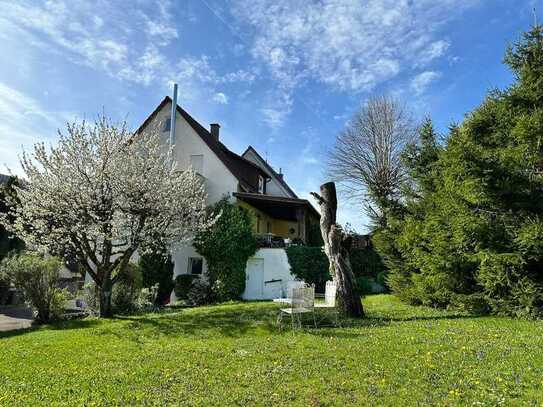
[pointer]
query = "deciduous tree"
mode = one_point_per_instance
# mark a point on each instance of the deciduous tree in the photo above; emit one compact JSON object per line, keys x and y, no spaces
{"x":102,"y":193}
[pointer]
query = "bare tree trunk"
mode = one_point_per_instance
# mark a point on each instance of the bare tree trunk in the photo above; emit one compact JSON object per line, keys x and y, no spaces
{"x":336,"y":247}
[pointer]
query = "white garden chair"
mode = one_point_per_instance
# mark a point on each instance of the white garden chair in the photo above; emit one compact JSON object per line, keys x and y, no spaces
{"x":290,"y":286}
{"x":302,"y":302}
{"x":330,"y":302}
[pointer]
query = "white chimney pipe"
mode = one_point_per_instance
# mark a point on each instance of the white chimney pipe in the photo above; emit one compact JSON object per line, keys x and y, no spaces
{"x":172,"y":119}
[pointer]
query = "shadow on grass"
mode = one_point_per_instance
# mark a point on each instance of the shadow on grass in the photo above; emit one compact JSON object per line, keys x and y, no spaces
{"x":60,"y":326}
{"x":375,"y":322}
{"x":224,"y":322}
{"x":231,"y":320}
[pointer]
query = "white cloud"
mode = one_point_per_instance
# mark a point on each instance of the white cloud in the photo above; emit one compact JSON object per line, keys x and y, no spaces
{"x":239,"y":76}
{"x":24,"y":122}
{"x":420,"y":83}
{"x":164,"y":32}
{"x":274,"y":117}
{"x":127,"y":43}
{"x":351,"y":45}
{"x":220,"y":98}
{"x":106,"y":43}
{"x":433,"y":51}
{"x":277,"y":107}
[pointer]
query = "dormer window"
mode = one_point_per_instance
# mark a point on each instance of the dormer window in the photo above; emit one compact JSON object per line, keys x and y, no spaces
{"x":260,"y":184}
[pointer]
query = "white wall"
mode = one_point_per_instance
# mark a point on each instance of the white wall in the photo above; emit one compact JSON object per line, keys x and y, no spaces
{"x":276,"y":267}
{"x":219,"y":180}
{"x":181,"y":256}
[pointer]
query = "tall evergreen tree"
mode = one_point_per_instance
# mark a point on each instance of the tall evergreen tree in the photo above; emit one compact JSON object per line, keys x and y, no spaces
{"x":473,"y":235}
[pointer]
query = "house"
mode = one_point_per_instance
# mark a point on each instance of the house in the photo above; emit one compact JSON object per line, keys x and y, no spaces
{"x":247,"y":180}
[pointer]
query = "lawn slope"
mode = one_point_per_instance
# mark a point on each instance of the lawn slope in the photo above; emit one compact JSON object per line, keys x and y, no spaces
{"x":234,"y":355}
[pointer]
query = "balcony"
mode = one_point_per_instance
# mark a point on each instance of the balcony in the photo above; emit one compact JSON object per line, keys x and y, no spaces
{"x":271,"y":241}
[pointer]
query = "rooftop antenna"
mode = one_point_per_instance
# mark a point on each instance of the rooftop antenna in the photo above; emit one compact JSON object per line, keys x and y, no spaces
{"x":172,"y":119}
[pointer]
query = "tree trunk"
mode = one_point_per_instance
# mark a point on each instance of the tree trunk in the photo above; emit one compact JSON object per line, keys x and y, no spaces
{"x":336,"y":246}
{"x":105,"y":299}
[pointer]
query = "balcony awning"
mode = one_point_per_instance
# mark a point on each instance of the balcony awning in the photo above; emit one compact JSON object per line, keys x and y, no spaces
{"x":278,"y":207}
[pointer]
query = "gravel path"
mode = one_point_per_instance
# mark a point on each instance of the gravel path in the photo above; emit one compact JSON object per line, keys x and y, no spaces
{"x":12,"y":318}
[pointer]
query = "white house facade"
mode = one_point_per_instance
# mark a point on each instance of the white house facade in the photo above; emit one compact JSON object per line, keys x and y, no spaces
{"x":247,"y":180}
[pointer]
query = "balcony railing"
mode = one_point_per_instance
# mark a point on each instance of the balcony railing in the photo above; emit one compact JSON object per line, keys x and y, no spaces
{"x":270,"y":240}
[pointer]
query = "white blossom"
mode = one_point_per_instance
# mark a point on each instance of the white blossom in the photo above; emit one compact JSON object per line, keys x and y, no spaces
{"x":103,"y":193}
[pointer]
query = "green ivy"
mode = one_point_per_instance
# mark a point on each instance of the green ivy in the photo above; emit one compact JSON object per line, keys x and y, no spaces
{"x":227,"y":246}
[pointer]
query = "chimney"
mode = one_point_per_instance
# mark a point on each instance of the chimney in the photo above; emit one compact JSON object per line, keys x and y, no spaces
{"x":280,"y":174}
{"x":215,"y":127}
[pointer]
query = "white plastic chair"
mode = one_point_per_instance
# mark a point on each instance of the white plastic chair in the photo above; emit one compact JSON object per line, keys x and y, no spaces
{"x":302,"y":302}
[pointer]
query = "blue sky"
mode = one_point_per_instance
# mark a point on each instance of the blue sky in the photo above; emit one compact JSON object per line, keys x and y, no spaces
{"x":281,"y":75}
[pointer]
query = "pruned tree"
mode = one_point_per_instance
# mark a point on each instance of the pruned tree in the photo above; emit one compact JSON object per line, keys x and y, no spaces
{"x":366,"y":158}
{"x":102,"y":193}
{"x":337,"y":244}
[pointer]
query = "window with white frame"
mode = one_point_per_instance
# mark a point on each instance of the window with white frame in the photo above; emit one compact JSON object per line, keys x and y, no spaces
{"x":260,"y":184}
{"x":195,"y":265}
{"x":197,"y":163}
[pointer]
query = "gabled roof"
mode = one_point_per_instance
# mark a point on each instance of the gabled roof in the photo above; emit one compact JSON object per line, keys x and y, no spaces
{"x":244,"y":170}
{"x":277,"y":176}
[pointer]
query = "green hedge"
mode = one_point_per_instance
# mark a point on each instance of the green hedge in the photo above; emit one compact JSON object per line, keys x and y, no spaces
{"x":366,"y":262}
{"x":309,"y":264}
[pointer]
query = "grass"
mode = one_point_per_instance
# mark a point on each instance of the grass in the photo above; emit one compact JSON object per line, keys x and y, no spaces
{"x":233,"y":354}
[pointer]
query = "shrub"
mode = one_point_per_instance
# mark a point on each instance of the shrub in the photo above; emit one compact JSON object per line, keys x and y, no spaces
{"x":309,"y":264}
{"x":157,"y":268}
{"x":145,"y":299}
{"x":125,"y":292}
{"x":381,"y":279}
{"x":91,"y":297}
{"x":474,"y":303}
{"x":507,"y":286}
{"x":128,"y":294}
{"x":200,"y":292}
{"x":182,"y":285}
{"x":37,"y":277}
{"x":363,"y":285}
{"x":227,"y":246}
{"x":366,"y":262}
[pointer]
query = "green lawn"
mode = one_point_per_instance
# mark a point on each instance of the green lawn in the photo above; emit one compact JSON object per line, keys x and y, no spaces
{"x":234,"y":355}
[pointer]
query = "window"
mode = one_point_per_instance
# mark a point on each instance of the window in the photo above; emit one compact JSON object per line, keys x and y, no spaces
{"x":167,"y":124}
{"x":260,"y":184}
{"x":197,"y":163}
{"x":257,"y":223}
{"x":269,"y":227}
{"x":195,"y":265}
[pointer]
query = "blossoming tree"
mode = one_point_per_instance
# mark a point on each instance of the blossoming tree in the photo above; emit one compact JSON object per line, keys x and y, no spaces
{"x":103,"y":193}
